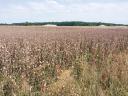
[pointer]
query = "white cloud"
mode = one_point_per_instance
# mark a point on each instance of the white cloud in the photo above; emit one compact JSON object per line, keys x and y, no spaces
{"x":53,"y":10}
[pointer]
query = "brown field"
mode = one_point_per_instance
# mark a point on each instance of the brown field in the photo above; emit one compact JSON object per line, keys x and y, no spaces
{"x":63,"y":61}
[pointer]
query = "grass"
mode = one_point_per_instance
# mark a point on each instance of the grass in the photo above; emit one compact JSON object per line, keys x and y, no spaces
{"x":63,"y":61}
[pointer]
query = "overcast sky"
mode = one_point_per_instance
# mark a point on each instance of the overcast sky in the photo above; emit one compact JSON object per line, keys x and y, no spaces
{"x":114,"y":11}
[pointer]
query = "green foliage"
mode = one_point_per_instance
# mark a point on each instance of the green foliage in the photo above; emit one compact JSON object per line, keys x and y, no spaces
{"x":9,"y":88}
{"x":69,"y":23}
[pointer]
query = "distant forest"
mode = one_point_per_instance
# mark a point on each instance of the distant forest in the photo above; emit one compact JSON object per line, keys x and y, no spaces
{"x":66,"y":23}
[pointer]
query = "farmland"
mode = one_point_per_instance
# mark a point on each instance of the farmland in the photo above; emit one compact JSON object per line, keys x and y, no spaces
{"x":63,"y":61}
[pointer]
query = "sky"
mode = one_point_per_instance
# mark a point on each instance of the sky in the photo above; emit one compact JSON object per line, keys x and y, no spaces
{"x":109,"y":11}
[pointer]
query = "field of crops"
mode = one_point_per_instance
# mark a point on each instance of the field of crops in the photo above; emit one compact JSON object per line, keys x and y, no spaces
{"x":63,"y":61}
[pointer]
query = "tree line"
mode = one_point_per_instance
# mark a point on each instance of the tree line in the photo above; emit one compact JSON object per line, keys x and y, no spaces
{"x":66,"y":23}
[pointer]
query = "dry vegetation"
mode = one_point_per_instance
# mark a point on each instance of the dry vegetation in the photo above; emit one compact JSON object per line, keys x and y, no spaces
{"x":63,"y":61}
